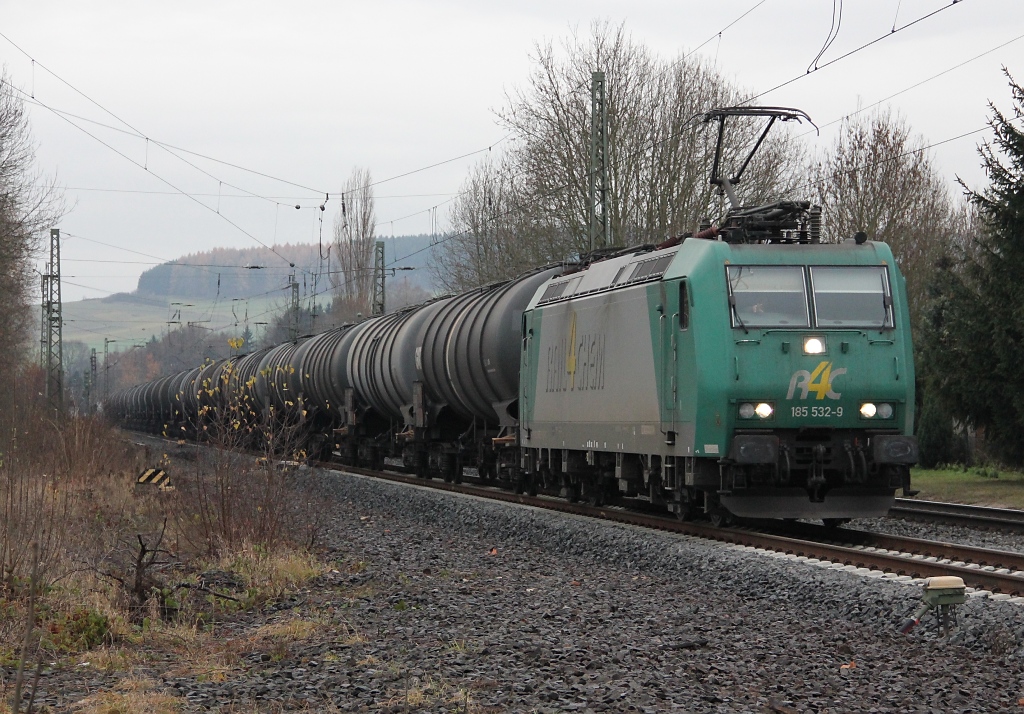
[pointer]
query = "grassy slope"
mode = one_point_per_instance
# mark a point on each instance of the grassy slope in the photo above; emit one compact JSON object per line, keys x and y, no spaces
{"x":976,"y":486}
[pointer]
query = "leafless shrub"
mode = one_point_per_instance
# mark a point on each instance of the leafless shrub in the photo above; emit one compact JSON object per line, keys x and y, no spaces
{"x":249,"y":485}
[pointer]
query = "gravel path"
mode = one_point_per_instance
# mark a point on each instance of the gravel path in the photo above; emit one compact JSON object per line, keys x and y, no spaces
{"x":448,"y":603}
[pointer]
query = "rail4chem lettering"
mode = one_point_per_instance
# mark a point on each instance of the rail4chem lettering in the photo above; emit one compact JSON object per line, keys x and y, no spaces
{"x":819,"y":381}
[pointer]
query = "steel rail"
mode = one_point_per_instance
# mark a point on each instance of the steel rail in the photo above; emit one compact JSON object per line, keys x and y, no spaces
{"x":959,"y":514}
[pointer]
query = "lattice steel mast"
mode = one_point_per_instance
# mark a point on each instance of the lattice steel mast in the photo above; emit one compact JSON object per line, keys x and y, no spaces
{"x":377,"y":306}
{"x":53,"y":349}
{"x":600,"y":231}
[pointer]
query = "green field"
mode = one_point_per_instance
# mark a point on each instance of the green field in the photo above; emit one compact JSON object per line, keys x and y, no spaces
{"x":978,"y":486}
{"x":131,"y":320}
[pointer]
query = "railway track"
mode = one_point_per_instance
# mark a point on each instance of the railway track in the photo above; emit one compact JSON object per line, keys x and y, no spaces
{"x":998,"y":572}
{"x":1006,"y":519}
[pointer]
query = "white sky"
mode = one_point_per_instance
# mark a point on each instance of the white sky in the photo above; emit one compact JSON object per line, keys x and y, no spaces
{"x":306,"y":90}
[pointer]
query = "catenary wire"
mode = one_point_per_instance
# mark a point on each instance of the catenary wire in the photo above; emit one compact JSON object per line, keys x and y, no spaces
{"x":853,"y":51}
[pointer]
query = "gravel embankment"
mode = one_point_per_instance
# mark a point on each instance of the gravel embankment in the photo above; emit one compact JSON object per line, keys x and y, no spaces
{"x":447,"y":603}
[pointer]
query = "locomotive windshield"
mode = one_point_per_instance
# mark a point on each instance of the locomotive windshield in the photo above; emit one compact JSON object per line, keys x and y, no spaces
{"x":768,"y":296}
{"x":854,"y":296}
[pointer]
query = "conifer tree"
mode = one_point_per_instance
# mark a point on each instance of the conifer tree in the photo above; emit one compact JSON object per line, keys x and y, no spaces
{"x":973,"y":341}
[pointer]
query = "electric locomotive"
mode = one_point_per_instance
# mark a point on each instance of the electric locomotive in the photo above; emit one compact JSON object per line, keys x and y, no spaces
{"x":747,"y":370}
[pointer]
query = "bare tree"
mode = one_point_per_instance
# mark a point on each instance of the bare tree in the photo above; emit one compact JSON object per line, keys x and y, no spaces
{"x":29,"y":204}
{"x":500,"y":233}
{"x":878,"y":178}
{"x":353,"y":244}
{"x":531,"y":204}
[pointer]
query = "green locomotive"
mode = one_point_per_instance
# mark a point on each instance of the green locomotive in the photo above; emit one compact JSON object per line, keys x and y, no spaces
{"x":749,"y":370}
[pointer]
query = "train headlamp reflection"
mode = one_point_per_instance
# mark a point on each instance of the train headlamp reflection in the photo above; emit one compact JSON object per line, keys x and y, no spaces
{"x":814,"y":345}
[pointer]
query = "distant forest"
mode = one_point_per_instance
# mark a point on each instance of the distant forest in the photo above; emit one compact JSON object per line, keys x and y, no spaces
{"x":248,"y":272}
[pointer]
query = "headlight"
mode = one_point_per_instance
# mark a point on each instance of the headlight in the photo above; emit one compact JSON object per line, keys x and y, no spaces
{"x":882,"y":410}
{"x":763,"y":410}
{"x":814,"y":345}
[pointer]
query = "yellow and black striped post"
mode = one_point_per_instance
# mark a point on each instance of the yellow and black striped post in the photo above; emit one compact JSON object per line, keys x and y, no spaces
{"x":154,"y":477}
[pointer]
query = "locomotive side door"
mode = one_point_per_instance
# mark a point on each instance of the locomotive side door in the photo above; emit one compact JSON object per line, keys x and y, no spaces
{"x":668,"y":348}
{"x":676,"y":360}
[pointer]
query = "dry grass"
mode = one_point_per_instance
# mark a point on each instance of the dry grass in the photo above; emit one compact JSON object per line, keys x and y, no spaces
{"x":430,"y":693}
{"x":113,"y":658}
{"x":271,"y":575}
{"x":291,"y":630}
{"x":132,"y":695}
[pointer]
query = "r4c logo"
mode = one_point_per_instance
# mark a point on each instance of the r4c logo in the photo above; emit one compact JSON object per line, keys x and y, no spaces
{"x":819,"y":381}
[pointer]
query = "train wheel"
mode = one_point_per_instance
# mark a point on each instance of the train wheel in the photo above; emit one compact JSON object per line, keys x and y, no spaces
{"x":573,"y":492}
{"x":531,"y":484}
{"x":593,"y":492}
{"x":519,"y":483}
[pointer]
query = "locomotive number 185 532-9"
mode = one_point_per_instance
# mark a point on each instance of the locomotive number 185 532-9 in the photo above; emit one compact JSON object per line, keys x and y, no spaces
{"x":824,"y":411}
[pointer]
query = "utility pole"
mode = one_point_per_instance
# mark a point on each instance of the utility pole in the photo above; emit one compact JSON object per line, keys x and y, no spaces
{"x":92,"y":370}
{"x":53,"y":360}
{"x":106,"y":367}
{"x":600,"y":232}
{"x":92,"y":374}
{"x":87,"y":392}
{"x":378,"y":305}
{"x":294,"y":328}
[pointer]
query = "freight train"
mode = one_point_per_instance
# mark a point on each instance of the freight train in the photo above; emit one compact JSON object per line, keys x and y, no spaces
{"x":746,"y":370}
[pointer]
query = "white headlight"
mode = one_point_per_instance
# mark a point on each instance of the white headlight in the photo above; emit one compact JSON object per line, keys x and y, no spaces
{"x":814,"y":346}
{"x":764,"y":410}
{"x":867,"y":410}
{"x":746,"y":410}
{"x":884,"y":411}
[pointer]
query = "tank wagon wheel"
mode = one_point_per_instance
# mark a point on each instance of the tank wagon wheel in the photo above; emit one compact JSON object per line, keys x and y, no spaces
{"x":531,"y":484}
{"x":571,"y":490}
{"x":685,"y":510}
{"x":720,"y":518}
{"x":835,"y":522}
{"x":519,"y":484}
{"x":593,"y":492}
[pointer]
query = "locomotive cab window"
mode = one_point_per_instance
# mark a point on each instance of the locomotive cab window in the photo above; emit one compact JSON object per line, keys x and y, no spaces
{"x":851,"y":296}
{"x":767,"y":296}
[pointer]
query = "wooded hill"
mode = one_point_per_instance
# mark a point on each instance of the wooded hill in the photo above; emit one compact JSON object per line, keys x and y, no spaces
{"x":227,"y":273}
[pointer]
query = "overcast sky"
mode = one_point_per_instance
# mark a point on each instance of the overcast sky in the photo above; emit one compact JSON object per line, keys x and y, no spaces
{"x":304,"y":91}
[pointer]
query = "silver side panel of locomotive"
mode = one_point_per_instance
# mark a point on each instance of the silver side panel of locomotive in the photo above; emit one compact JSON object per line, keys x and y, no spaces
{"x":596,"y":385}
